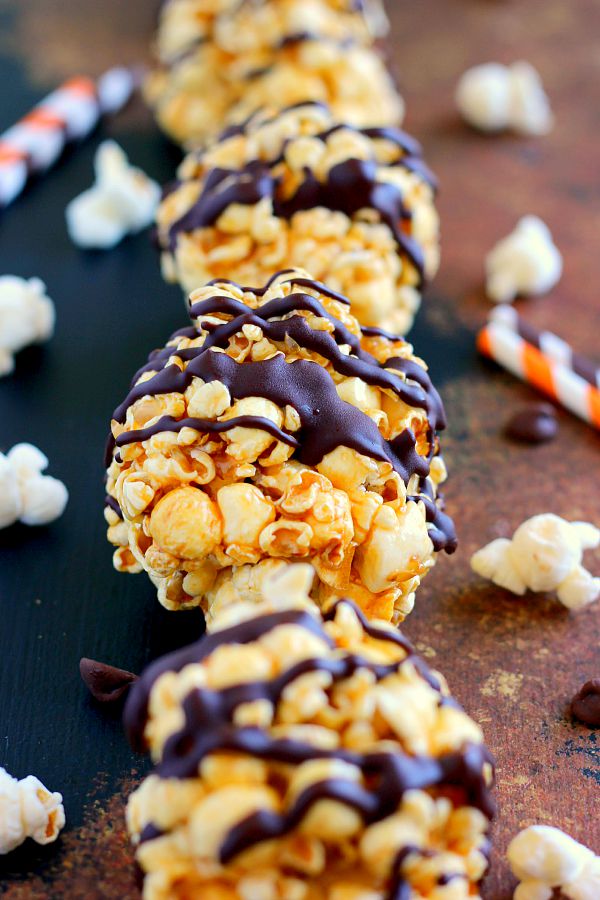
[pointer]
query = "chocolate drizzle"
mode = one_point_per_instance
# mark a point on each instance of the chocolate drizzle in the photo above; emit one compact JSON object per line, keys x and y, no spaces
{"x":113,"y":504}
{"x":209,"y":729}
{"x":168,"y":423}
{"x":136,"y":710}
{"x":327,"y":421}
{"x":350,"y":186}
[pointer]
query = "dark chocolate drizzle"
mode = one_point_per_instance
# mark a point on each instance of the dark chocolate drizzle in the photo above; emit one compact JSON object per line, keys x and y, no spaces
{"x":150,"y":833}
{"x":350,"y":186}
{"x":136,"y":709}
{"x":113,"y":504}
{"x":327,"y":422}
{"x":209,"y":728}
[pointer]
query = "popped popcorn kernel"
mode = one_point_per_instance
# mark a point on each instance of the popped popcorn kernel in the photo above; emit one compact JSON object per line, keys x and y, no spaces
{"x":544,"y":858}
{"x":27,"y":316}
{"x":28,"y":810}
{"x":26,"y":494}
{"x":122,"y":201}
{"x":525,"y":263}
{"x":493,"y":97}
{"x":545,"y":554}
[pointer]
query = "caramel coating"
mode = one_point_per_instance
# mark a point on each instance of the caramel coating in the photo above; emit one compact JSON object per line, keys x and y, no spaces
{"x":309,"y":758}
{"x":276,"y":430}
{"x":378,"y":251}
{"x":217,"y":64}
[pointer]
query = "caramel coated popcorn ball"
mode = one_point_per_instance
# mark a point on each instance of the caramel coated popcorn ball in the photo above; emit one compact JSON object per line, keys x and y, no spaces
{"x":218,"y":63}
{"x":300,"y":187}
{"x":275,"y":429}
{"x":184,"y":24}
{"x":306,"y":758}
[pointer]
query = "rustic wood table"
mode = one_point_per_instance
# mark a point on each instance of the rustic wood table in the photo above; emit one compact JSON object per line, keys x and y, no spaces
{"x":514,"y":663}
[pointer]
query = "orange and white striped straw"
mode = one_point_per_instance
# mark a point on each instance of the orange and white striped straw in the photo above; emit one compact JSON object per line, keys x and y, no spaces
{"x":70,"y":113}
{"x":523,"y":351}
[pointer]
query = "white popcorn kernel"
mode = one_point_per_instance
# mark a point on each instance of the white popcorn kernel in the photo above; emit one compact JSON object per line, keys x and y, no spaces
{"x":27,"y":316}
{"x":493,"y":98}
{"x":587,"y":885}
{"x":26,"y":494}
{"x":533,"y":890}
{"x":122,"y":201}
{"x":544,"y":858}
{"x":544,"y":554}
{"x":525,"y":263}
{"x":11,"y":505}
{"x":545,"y":549}
{"x":28,"y":810}
{"x":494,"y":562}
{"x":44,"y":500}
{"x":579,"y":589}
{"x":289,"y":584}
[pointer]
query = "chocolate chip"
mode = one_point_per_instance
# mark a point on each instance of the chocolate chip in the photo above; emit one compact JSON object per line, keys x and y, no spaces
{"x":585,"y":705}
{"x":533,"y":424}
{"x":107,"y":684}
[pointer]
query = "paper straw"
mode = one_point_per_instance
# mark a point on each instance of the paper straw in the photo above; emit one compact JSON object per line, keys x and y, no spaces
{"x":513,"y":352}
{"x":68,"y":114}
{"x":550,"y":344}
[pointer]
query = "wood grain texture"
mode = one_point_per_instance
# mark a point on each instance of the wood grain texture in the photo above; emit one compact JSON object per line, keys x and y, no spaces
{"x":514,"y":663}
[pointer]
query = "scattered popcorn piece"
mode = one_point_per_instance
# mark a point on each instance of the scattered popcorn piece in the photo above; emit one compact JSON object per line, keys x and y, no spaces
{"x":544,"y":858}
{"x":525,"y":263}
{"x":28,"y":810}
{"x":493,"y":97}
{"x":26,"y":317}
{"x":544,"y":554}
{"x":122,"y":201}
{"x":26,"y":494}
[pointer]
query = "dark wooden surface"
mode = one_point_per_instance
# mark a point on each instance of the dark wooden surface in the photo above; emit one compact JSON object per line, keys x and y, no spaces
{"x":514,"y":663}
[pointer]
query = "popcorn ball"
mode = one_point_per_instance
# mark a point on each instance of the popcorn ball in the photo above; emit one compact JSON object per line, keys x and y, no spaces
{"x":227,"y":66}
{"x":184,"y":24}
{"x":306,"y":758}
{"x":299,"y":187}
{"x":275,"y":429}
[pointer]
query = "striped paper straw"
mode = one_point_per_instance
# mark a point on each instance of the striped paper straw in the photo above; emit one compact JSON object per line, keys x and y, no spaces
{"x":70,"y":113}
{"x":550,"y":344}
{"x":506,"y":345}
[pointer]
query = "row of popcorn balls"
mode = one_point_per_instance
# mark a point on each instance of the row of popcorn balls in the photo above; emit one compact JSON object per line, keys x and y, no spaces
{"x":276,"y":429}
{"x":218,"y":64}
{"x":308,"y":756}
{"x":301,"y":187}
